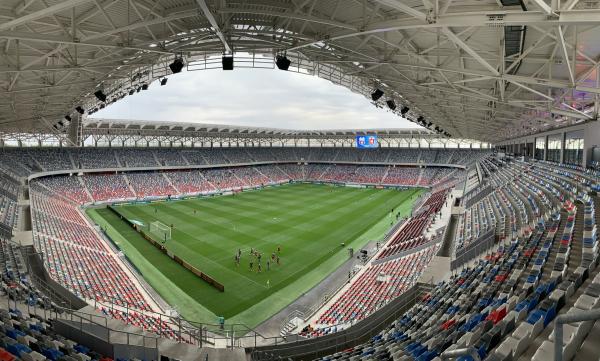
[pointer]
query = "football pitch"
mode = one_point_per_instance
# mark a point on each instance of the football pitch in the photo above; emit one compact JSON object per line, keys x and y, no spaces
{"x":308,"y":221}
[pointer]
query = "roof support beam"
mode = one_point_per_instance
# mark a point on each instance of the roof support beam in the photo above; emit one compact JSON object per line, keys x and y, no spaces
{"x":398,"y":5}
{"x":213,"y":22}
{"x":543,"y":6}
{"x":62,"y":68}
{"x":565,"y":54}
{"x":65,"y":40}
{"x":458,"y":41}
{"x":63,"y":5}
{"x":570,"y":4}
{"x":313,"y":19}
{"x":500,"y":18}
{"x":532,"y":90}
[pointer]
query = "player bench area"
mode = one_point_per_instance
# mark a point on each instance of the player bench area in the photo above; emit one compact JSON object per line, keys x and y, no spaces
{"x":163,"y":232}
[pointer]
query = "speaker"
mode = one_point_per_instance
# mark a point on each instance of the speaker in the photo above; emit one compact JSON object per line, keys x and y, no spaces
{"x":390,"y":103}
{"x":227,"y":62}
{"x":378,"y":93}
{"x":283,"y":63}
{"x":176,"y":66}
{"x":100,"y":95}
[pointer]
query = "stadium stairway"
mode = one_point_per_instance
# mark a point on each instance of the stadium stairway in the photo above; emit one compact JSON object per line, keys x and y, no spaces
{"x":87,"y":191}
{"x":129,"y":184}
{"x":448,"y":242}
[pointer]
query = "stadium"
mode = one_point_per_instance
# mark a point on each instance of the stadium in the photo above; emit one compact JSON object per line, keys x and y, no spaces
{"x":467,"y":231}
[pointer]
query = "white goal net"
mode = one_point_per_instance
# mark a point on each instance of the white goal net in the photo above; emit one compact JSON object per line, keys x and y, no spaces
{"x":160,"y":231}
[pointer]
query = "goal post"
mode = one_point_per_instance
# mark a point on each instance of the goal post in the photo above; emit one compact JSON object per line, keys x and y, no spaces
{"x":160,"y":230}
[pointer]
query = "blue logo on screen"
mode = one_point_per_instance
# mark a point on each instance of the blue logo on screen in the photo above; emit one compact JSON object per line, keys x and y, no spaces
{"x":366,"y":141}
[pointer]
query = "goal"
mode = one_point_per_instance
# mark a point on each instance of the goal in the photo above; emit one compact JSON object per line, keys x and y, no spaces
{"x":160,"y":230}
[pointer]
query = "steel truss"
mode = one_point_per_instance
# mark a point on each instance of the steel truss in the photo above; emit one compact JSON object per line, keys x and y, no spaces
{"x":119,"y":133}
{"x":444,"y":59}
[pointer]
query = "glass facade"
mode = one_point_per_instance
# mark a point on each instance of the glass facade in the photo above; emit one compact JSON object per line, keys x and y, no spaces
{"x":574,"y":147}
{"x":540,"y":146}
{"x":554,"y":147}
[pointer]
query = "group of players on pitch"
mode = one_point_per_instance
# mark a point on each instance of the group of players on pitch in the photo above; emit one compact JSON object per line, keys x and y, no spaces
{"x":256,"y":258}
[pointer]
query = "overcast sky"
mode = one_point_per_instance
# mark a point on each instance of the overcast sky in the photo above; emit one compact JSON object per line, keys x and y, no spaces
{"x":254,"y":97}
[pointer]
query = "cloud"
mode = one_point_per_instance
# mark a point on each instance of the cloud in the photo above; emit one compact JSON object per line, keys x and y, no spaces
{"x":254,"y":97}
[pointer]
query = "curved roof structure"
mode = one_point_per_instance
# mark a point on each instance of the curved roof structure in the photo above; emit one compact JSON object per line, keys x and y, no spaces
{"x":481,"y":69}
{"x":121,"y":124}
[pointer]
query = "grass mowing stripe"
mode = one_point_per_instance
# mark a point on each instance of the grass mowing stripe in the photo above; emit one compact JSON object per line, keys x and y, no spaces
{"x":309,"y":221}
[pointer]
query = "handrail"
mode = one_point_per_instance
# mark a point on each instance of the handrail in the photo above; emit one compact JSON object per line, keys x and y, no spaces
{"x":570,"y":317}
{"x":46,"y":290}
{"x":362,"y":329}
{"x":76,"y":317}
{"x":288,"y":318}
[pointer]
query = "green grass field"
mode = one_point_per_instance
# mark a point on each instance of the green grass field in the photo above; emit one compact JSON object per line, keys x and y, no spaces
{"x":308,"y":221}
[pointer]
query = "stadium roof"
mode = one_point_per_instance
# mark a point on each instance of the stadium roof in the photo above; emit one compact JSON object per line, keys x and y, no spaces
{"x":480,"y":69}
{"x":121,"y":124}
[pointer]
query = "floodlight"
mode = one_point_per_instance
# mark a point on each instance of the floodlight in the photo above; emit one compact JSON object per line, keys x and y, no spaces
{"x":378,"y":93}
{"x":177,"y":65}
{"x":100,"y":95}
{"x":227,"y":62}
{"x":283,"y":63}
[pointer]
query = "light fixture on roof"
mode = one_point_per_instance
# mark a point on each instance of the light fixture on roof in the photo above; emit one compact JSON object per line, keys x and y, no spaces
{"x":176,"y":66}
{"x":68,"y":118}
{"x":100,"y":95}
{"x":378,"y":93}
{"x":404,"y":110}
{"x":144,"y":86}
{"x":131,"y":91}
{"x":163,"y":81}
{"x":283,"y":63}
{"x":227,"y":62}
{"x":390,"y":103}
{"x":79,"y":110}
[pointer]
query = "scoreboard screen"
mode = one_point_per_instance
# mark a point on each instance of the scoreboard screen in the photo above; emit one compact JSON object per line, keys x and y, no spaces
{"x":366,"y":141}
